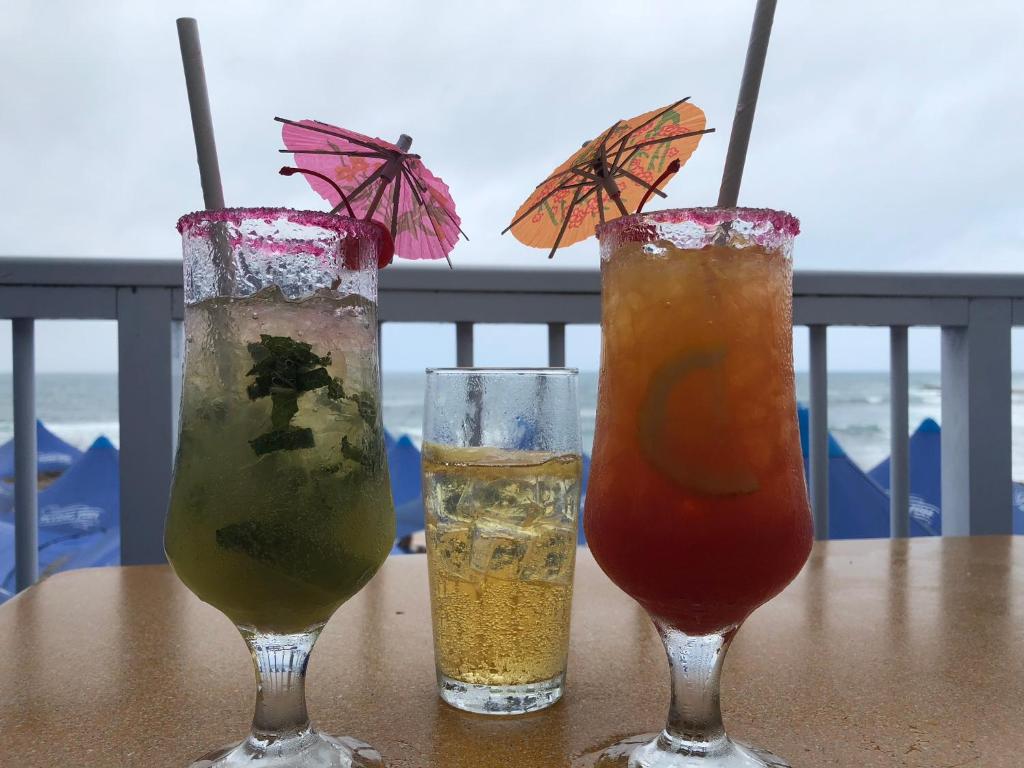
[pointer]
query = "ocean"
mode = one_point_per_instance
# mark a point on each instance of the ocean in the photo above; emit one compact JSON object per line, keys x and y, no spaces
{"x":81,"y":407}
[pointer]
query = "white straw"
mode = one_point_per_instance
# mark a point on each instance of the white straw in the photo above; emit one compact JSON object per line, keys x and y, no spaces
{"x":750,"y":85}
{"x":199,"y":106}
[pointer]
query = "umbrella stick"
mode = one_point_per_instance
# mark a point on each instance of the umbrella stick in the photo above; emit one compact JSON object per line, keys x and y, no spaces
{"x":395,"y":202}
{"x":565,"y":223}
{"x":739,"y":139}
{"x":199,"y":106}
{"x":376,"y":198}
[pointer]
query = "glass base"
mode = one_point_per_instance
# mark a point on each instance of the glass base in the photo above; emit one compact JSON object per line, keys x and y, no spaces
{"x":656,"y":751}
{"x":500,"y":699}
{"x":309,"y":749}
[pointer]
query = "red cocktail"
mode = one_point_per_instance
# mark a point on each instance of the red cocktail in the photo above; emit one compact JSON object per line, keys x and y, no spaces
{"x":697,"y":506}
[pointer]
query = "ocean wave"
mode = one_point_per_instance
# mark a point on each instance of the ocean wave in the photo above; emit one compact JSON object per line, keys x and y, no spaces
{"x":856,"y":429}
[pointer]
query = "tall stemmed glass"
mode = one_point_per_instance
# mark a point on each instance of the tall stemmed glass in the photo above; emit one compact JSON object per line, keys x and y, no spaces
{"x":281,"y":505}
{"x":697,"y":506}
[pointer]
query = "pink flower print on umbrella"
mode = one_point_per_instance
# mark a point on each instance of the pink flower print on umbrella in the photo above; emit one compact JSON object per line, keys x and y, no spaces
{"x":380,"y":181}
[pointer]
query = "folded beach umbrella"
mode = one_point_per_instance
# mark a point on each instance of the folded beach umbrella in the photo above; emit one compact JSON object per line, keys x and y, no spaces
{"x":925,"y":452}
{"x":404,"y":464}
{"x":79,"y":517}
{"x":84,"y":499}
{"x":858,"y":508}
{"x":54,"y":455}
{"x":581,"y":538}
{"x":1018,"y":508}
{"x":6,"y":555}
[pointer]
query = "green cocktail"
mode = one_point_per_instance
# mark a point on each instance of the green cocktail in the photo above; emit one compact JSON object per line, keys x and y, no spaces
{"x":281,"y":505}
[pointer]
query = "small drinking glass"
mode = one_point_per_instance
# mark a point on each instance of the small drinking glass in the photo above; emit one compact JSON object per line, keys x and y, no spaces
{"x":501,"y":490}
{"x":697,"y":506}
{"x":280,"y":508}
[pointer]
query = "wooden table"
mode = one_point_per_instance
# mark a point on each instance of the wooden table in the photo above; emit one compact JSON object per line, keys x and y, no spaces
{"x":882,"y":653}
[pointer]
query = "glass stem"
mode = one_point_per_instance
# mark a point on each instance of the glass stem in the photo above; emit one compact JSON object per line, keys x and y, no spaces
{"x":695,"y":715}
{"x":280,"y":661}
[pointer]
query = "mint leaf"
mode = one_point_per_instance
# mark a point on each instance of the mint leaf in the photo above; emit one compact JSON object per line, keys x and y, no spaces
{"x":286,"y":405}
{"x":283,"y":369}
{"x":336,"y":390}
{"x":306,"y":381}
{"x":289,"y":439}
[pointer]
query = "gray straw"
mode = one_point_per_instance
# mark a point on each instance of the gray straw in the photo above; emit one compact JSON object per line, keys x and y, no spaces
{"x":757,"y":49}
{"x":199,"y":106}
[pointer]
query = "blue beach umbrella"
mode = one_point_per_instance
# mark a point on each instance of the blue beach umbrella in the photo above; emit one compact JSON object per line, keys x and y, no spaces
{"x":581,"y":537}
{"x":1018,"y":508}
{"x":79,"y":517}
{"x":84,"y":499}
{"x":925,"y":454}
{"x":858,"y":506}
{"x":55,"y":455}
{"x":405,"y":466}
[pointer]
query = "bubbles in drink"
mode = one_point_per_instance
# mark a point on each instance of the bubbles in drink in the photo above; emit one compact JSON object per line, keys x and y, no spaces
{"x":501,"y":533}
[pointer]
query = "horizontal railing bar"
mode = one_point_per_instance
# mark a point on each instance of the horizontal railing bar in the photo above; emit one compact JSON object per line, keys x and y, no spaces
{"x":108,"y":272}
{"x":58,"y":302}
{"x":909,"y":284}
{"x":476,"y":279}
{"x":120,"y":272}
{"x":456,"y":306}
{"x":878,"y":310}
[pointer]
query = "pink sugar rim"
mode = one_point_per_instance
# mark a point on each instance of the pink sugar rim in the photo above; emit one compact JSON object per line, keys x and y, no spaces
{"x":332,"y":221}
{"x":781,"y":221}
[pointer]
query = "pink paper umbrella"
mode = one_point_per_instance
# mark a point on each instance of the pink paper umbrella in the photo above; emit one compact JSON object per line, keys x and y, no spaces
{"x":379,"y":180}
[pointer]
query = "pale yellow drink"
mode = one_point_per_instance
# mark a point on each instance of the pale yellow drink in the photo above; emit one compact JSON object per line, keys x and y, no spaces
{"x":501,"y":544}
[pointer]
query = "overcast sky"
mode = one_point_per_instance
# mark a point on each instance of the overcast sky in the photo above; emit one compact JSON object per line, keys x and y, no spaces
{"x":891,"y":129}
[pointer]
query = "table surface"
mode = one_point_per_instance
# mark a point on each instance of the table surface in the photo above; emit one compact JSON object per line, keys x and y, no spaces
{"x":881,"y":653}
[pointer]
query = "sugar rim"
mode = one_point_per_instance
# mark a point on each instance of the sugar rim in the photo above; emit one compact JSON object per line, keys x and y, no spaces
{"x":781,"y":221}
{"x":331,"y":221}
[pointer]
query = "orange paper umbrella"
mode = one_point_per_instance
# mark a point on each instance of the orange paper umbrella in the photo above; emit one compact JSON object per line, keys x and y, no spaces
{"x":610,"y":176}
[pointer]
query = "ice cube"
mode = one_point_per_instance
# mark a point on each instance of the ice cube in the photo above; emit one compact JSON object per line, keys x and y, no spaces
{"x":450,"y":549}
{"x":497,"y":548}
{"x":449,"y":499}
{"x":550,"y":554}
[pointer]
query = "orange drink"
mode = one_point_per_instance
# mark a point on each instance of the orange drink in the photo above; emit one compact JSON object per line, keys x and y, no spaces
{"x":697,"y":507}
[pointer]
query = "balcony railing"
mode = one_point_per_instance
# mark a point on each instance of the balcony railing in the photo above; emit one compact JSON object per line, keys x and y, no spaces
{"x":975,"y":313}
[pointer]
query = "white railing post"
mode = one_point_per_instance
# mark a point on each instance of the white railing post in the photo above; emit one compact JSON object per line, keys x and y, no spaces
{"x":26,"y":471}
{"x":976,"y":436}
{"x":145,"y":404}
{"x":556,"y":345}
{"x":899,"y":461}
{"x":818,"y":430}
{"x":464,"y":344}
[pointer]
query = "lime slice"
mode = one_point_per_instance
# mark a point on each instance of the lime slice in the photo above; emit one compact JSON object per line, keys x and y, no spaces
{"x":695,"y":476}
